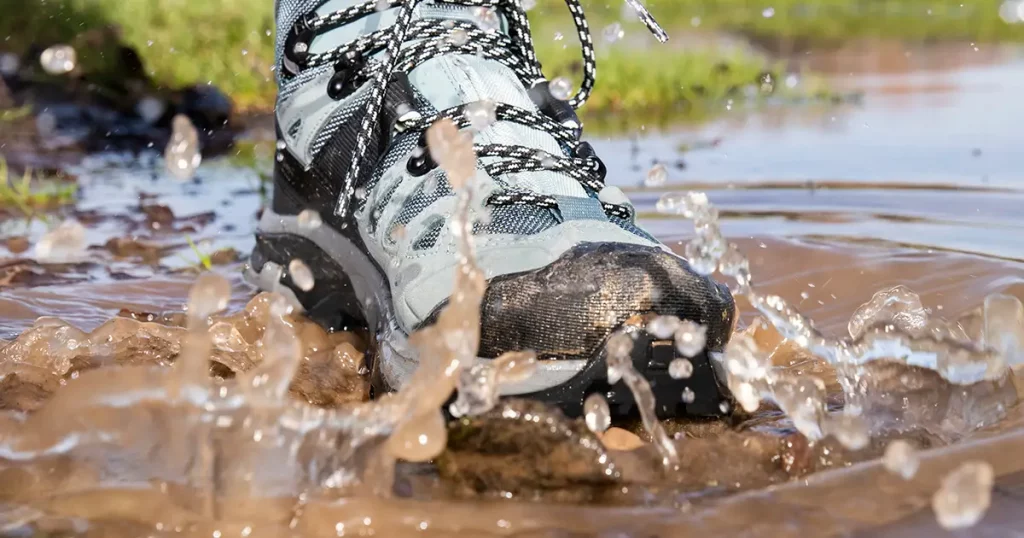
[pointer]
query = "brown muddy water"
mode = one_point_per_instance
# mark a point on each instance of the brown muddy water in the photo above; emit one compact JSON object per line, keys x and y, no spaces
{"x":918,"y":184}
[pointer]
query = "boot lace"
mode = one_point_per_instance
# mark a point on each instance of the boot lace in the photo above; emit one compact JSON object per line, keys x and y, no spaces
{"x":433,"y":37}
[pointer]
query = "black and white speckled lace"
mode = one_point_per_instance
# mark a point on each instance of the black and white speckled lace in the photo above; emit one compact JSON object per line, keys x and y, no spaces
{"x":432,"y":38}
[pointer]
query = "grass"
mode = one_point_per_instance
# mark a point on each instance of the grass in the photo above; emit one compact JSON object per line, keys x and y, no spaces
{"x":228,"y":42}
{"x":203,"y":260}
{"x":32,"y":194}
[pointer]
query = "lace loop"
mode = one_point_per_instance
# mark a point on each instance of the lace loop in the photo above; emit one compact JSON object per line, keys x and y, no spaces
{"x":515,"y":51}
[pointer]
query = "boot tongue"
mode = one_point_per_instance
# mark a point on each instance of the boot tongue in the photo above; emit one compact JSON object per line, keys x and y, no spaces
{"x":452,"y":80}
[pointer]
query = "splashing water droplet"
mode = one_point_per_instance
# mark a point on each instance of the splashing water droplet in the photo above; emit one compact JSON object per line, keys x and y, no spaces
{"x":619,"y":351}
{"x":691,"y":338}
{"x":9,"y":63}
{"x":452,"y":150}
{"x":58,"y":59}
{"x":768,"y":12}
{"x":301,"y":274}
{"x":680,"y":369}
{"x":209,"y":294}
{"x":596,"y":413}
{"x":182,"y":154}
{"x":481,"y":114}
{"x":964,"y":496}
{"x":150,"y":109}
{"x":487,"y":19}
{"x":309,"y":219}
{"x":560,"y":88}
{"x":900,"y":458}
{"x":766,"y":83}
{"x":528,"y":4}
{"x":688,"y":395}
{"x":656,"y":176}
{"x":421,"y":439}
{"x":613,"y":32}
{"x":663,"y":327}
{"x":65,"y":243}
{"x":382,"y":5}
{"x":850,"y":430}
{"x":898,"y":305}
{"x":458,"y":37}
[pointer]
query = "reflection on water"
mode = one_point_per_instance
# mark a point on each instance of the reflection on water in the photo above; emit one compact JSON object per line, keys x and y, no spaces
{"x":918,"y":185}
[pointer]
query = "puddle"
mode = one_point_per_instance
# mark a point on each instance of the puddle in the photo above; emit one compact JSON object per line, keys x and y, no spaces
{"x":917,"y":185}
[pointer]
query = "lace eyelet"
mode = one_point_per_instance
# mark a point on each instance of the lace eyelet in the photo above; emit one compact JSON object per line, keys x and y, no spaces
{"x":586,"y":151}
{"x":421,"y":163}
{"x":346,"y":74}
{"x":296,"y":45}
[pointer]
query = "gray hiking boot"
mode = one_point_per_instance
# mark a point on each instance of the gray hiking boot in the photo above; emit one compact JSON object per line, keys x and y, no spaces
{"x":359,"y":200}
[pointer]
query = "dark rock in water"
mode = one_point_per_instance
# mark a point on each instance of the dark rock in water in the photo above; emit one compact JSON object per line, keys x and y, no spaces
{"x":116,"y":109}
{"x":526,"y":448}
{"x":207,"y":106}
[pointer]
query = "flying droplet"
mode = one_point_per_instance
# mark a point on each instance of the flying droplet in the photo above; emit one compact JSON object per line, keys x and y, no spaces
{"x":690,"y":338}
{"x":458,"y":37}
{"x":182,"y":154}
{"x":901,"y":458}
{"x":487,"y":19}
{"x":481,"y":114}
{"x":9,"y":63}
{"x":688,"y":395}
{"x":59,"y":59}
{"x":209,"y":294}
{"x":596,"y":413}
{"x":150,"y":109}
{"x":656,"y":176}
{"x":65,"y":243}
{"x":680,"y":369}
{"x":301,"y":275}
{"x":965,"y":495}
{"x":613,"y":32}
{"x":309,"y":219}
{"x":663,"y":327}
{"x":768,"y":12}
{"x":560,"y":88}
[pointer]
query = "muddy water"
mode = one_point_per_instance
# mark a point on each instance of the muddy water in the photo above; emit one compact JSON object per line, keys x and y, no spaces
{"x":919,"y":185}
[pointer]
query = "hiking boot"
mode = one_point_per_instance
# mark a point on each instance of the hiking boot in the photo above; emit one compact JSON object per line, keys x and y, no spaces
{"x":359,"y":200}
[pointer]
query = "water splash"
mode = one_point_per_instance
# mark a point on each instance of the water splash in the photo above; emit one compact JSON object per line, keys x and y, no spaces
{"x":182,"y":156}
{"x":59,"y":59}
{"x":901,"y":458}
{"x":619,"y":351}
{"x":965,"y":495}
{"x":64,"y":244}
{"x":892,"y":326}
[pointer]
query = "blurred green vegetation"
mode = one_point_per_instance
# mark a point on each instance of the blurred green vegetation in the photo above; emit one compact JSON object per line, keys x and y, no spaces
{"x":229,"y":42}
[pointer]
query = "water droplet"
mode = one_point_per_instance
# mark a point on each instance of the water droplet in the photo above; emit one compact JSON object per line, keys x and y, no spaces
{"x":301,"y":275}
{"x":58,"y":59}
{"x":65,"y":243}
{"x":656,"y":176}
{"x":964,"y":496}
{"x":382,"y":5}
{"x":560,"y":88}
{"x":487,"y":19}
{"x":420,"y":439}
{"x":690,"y":338}
{"x":209,"y":294}
{"x":182,"y":154}
{"x":309,"y":219}
{"x":613,"y":32}
{"x":596,"y":413}
{"x":663,"y":327}
{"x":768,"y":12}
{"x":688,"y":395}
{"x":458,"y":37}
{"x":898,"y":305}
{"x":559,"y":36}
{"x":680,"y":369}
{"x":766,"y":83}
{"x":9,"y":63}
{"x":901,"y":458}
{"x":528,"y":4}
{"x":481,"y":114}
{"x":150,"y":109}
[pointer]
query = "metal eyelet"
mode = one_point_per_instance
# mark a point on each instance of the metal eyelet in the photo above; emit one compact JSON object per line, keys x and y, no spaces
{"x":346,"y":74}
{"x":296,"y":45}
{"x":421,"y":163}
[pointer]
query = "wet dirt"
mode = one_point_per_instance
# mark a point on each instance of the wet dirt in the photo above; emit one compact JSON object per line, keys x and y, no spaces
{"x":917,"y":186}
